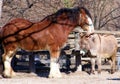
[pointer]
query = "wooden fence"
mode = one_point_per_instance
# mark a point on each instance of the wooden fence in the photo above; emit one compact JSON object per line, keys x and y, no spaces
{"x":72,"y":39}
{"x":72,"y":42}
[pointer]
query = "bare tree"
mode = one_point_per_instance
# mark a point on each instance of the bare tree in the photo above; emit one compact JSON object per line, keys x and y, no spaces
{"x":1,"y":3}
{"x":105,"y":13}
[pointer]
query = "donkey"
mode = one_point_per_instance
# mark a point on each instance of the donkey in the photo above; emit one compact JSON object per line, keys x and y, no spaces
{"x":100,"y":46}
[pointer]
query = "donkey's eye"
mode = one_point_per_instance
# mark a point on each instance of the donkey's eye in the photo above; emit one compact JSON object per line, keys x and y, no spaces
{"x":93,"y":39}
{"x":86,"y":36}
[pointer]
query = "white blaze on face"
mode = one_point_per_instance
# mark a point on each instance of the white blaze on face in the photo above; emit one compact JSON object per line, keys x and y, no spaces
{"x":91,"y":26}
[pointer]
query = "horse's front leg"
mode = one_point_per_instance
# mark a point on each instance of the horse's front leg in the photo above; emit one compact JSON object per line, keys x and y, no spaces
{"x":54,"y":65}
{"x":8,"y":71}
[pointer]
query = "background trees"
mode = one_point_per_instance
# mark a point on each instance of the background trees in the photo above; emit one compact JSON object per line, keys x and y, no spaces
{"x":1,"y":3}
{"x":105,"y":13}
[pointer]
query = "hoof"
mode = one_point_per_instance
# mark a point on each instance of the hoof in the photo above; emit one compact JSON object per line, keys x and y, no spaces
{"x":92,"y":72}
{"x":5,"y":76}
{"x":112,"y":72}
{"x":55,"y":76}
{"x":9,"y":75}
{"x":1,"y":76}
{"x":99,"y":71}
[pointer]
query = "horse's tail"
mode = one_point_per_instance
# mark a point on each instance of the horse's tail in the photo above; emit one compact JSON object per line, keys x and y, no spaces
{"x":0,"y":35}
{"x":1,"y":52}
{"x":1,"y":39}
{"x":1,"y":60}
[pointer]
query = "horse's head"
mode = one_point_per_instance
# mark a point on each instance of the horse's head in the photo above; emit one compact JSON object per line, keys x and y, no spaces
{"x":85,"y":20}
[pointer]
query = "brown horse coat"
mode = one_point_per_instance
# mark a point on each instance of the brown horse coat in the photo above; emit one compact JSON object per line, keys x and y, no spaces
{"x":101,"y":46}
{"x":49,"y":34}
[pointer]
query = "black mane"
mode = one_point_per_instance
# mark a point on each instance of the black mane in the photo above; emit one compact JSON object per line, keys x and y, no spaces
{"x":71,"y":13}
{"x":74,"y":11}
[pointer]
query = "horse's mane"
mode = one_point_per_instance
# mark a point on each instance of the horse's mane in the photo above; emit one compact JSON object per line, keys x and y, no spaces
{"x":71,"y":13}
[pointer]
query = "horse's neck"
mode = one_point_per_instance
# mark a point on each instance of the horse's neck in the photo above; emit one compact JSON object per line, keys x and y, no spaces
{"x":68,"y":26}
{"x":44,"y":23}
{"x":67,"y":30}
{"x":66,"y":22}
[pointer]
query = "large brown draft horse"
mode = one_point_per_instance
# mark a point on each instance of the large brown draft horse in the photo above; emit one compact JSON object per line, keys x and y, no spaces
{"x":49,"y":34}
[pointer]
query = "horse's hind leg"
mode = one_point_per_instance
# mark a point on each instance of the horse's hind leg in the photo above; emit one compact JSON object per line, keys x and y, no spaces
{"x":54,"y":65}
{"x":7,"y":57}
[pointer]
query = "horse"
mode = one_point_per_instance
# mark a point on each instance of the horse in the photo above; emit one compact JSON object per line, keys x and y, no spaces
{"x":100,"y":47}
{"x":48,"y":34}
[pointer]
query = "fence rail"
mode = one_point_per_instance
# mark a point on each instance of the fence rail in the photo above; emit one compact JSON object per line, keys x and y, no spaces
{"x":98,"y":31}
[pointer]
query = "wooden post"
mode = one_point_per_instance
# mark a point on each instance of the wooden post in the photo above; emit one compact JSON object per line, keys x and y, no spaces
{"x":68,"y":62}
{"x":78,"y":60}
{"x":31,"y":63}
{"x":77,"y":52}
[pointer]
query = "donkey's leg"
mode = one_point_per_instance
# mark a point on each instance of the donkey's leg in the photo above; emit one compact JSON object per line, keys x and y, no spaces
{"x":54,"y":65}
{"x":7,"y":57}
{"x":99,"y":65}
{"x":113,"y":65}
{"x":93,"y":65}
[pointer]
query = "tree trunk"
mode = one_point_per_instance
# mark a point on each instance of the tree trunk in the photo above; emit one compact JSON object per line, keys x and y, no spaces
{"x":1,"y":3}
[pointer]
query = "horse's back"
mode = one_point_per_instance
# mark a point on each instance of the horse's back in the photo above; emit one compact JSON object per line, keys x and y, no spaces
{"x":19,"y":23}
{"x":14,"y":26}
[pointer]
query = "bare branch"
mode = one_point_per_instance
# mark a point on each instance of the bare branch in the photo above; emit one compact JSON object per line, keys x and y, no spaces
{"x":110,"y":12}
{"x":102,"y":9}
{"x":109,"y":21}
{"x":29,"y":4}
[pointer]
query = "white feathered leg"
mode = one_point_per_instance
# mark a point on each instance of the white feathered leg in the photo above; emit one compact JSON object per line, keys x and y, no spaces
{"x":54,"y":69}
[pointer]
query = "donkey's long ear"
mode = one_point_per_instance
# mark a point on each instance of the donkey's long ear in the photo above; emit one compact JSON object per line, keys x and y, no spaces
{"x":81,"y":34}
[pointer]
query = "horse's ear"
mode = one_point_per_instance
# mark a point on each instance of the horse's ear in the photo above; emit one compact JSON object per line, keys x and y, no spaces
{"x":82,"y":11}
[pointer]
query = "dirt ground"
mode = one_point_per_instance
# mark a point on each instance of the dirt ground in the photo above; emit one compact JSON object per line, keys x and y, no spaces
{"x":71,"y":78}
